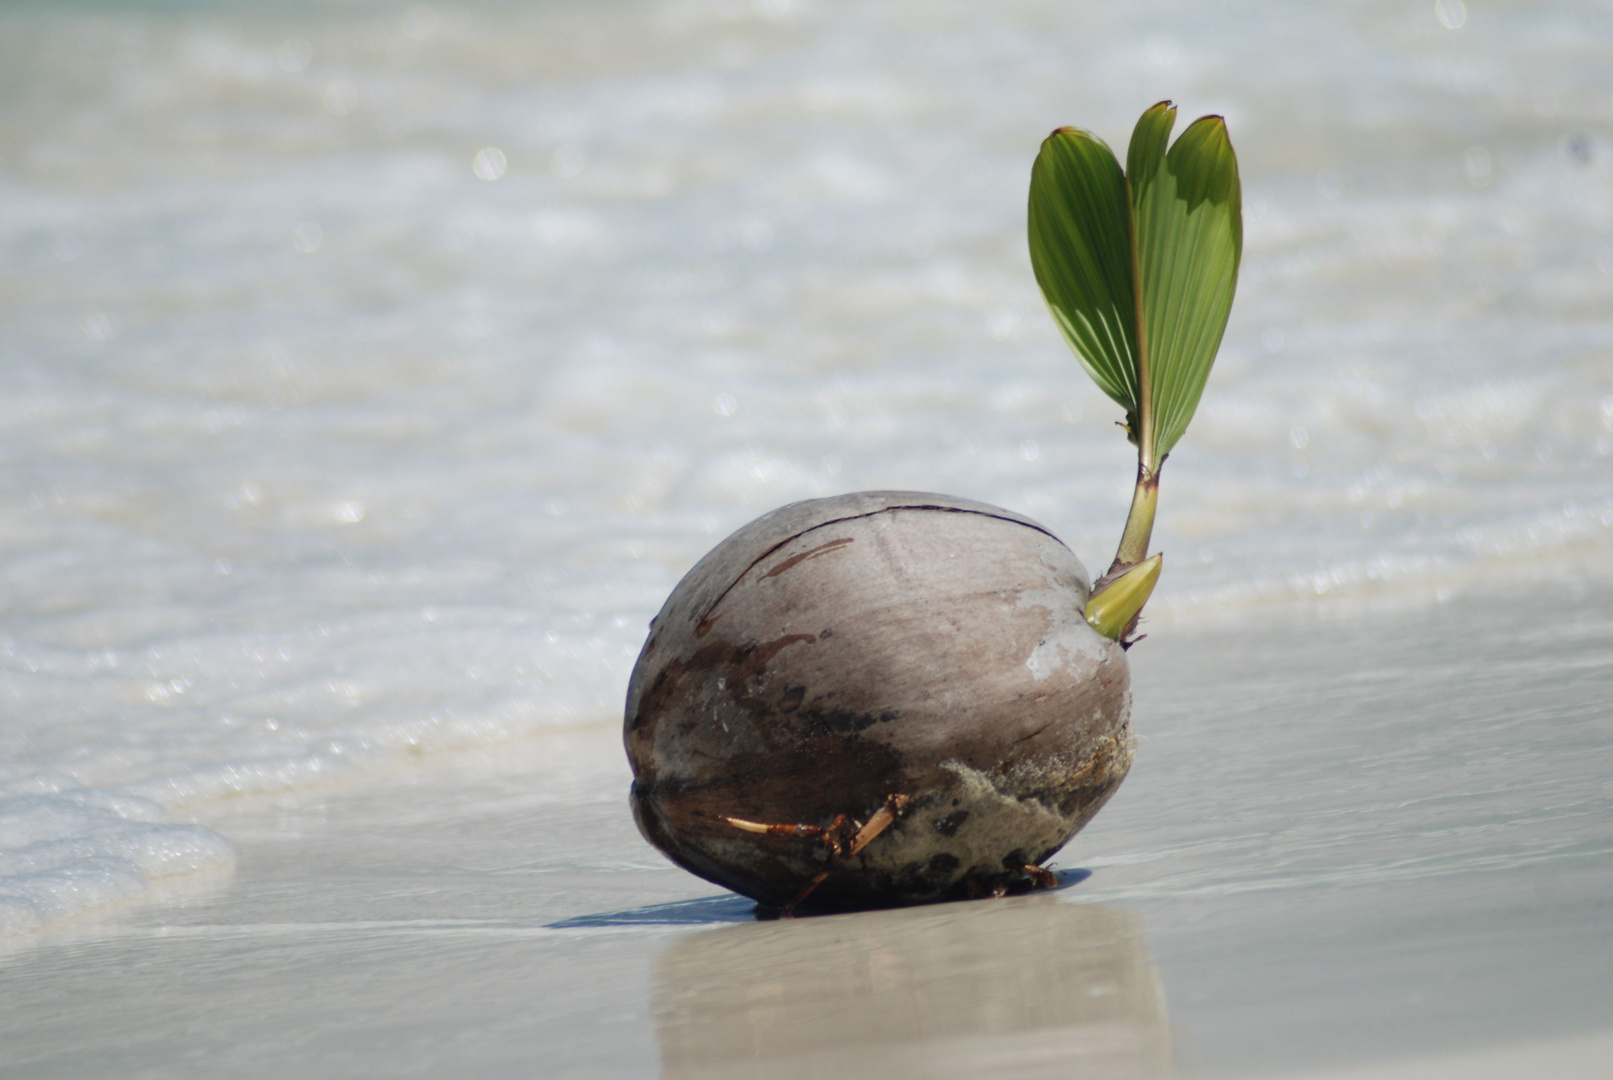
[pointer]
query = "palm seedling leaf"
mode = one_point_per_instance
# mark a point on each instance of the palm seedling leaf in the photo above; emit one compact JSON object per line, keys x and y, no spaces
{"x":1080,"y":241}
{"x":1139,"y":268}
{"x":1187,"y":204}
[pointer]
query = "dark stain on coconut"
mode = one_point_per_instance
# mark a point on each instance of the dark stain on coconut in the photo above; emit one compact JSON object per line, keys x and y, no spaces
{"x":841,"y":721}
{"x":821,"y":549}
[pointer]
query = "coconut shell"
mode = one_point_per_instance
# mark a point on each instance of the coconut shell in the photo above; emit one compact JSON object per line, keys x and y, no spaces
{"x":837,"y":652}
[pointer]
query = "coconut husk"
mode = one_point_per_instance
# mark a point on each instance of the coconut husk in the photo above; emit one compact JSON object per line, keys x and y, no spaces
{"x":912,"y":665}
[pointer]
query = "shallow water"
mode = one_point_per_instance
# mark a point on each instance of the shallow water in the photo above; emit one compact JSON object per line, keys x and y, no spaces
{"x":371,"y":372}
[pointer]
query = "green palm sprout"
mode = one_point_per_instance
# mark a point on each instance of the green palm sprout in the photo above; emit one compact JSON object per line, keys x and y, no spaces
{"x":1138,"y":269}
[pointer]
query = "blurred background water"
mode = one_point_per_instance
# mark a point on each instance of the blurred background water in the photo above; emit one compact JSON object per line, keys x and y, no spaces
{"x":370,"y":372}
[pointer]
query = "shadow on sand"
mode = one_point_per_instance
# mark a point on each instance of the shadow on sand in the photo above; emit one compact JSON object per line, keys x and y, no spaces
{"x":702,"y":911}
{"x":727,"y":908}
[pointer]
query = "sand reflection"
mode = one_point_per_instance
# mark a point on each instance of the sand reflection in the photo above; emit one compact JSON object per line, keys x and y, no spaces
{"x":1028,"y":986}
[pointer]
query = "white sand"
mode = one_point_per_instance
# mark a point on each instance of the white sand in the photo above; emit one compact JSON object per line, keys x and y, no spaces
{"x":1583,"y":1058}
{"x":1400,"y":856}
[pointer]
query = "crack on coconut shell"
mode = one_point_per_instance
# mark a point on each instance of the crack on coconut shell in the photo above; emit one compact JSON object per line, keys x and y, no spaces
{"x":704,"y":624}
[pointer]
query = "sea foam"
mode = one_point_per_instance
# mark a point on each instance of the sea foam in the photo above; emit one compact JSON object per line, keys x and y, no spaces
{"x":368,"y":379}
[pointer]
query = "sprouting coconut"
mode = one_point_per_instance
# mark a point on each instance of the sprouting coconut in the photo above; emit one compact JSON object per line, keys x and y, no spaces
{"x":895,"y":697}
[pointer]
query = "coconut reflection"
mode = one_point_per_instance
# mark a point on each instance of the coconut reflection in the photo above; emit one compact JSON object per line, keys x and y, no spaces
{"x":1028,"y":986}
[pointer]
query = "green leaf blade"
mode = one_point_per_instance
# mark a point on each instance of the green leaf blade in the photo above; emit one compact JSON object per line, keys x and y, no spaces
{"x":1080,"y":245}
{"x":1149,"y":140}
{"x":1189,"y":223}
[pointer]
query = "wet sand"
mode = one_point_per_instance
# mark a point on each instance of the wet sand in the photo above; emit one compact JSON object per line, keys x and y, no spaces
{"x":1335,"y":852}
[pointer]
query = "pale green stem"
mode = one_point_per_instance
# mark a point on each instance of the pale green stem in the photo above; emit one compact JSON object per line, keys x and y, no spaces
{"x":1139,"y":523}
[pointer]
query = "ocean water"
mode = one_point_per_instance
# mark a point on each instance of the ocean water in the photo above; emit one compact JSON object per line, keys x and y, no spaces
{"x":370,"y":372}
